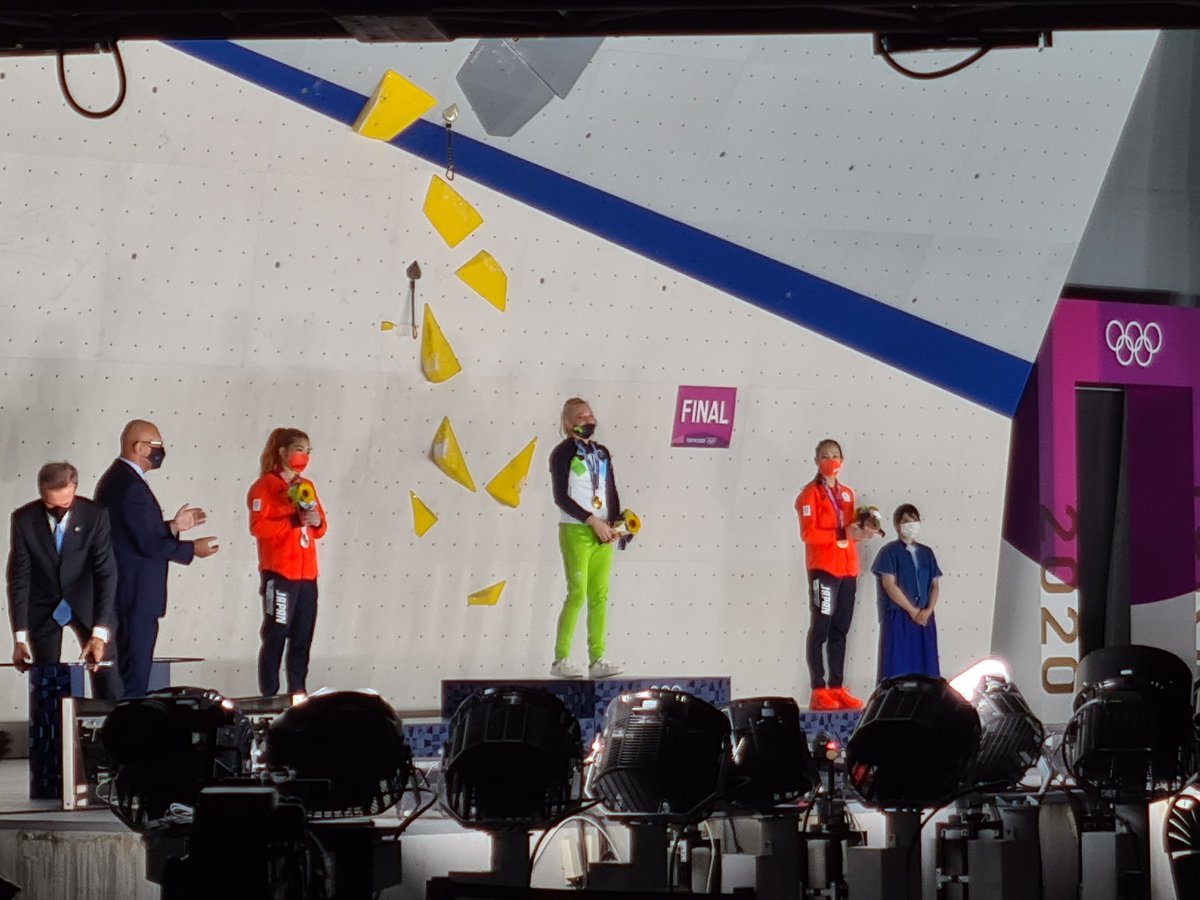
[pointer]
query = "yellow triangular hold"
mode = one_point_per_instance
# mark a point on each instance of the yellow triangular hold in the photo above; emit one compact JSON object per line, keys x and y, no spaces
{"x":446,"y":453}
{"x":438,"y":361}
{"x":394,"y":105}
{"x":485,"y":277}
{"x":506,"y":486}
{"x":489,"y":596}
{"x":452,"y":216}
{"x":424,"y":518}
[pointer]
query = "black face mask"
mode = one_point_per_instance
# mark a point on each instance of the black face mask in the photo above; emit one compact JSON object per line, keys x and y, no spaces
{"x":585,"y":430}
{"x":157,"y":455}
{"x":59,"y":512}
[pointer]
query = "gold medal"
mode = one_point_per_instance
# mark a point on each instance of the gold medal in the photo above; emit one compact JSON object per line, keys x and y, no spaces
{"x":597,"y":502}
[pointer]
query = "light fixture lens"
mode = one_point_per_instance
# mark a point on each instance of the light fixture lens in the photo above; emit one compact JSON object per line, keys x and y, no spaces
{"x":967,"y":683}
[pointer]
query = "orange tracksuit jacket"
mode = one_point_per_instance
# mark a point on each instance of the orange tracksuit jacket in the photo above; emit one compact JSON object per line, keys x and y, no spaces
{"x":275,"y":523}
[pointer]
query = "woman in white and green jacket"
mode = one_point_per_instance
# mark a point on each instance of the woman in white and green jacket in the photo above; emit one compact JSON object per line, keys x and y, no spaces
{"x":585,"y":492}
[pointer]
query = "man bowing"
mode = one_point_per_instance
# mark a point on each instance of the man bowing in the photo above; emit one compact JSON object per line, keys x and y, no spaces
{"x":61,"y":574}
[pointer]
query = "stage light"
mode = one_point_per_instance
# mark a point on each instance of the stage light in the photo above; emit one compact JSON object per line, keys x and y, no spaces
{"x":343,"y":752}
{"x":915,"y":745}
{"x":1182,"y":841}
{"x":1130,"y":738}
{"x":1011,"y":736}
{"x":168,"y":746}
{"x":661,"y":756}
{"x":770,"y":752}
{"x":513,"y":760}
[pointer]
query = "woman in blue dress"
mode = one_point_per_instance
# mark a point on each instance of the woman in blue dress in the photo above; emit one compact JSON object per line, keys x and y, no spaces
{"x":906,"y":575}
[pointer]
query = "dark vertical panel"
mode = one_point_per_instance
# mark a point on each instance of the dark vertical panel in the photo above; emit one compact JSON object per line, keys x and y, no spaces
{"x":1100,"y":428}
{"x":1161,"y":527}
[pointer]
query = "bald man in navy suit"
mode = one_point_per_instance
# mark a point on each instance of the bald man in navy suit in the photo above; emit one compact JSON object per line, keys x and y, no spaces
{"x":145,"y":545}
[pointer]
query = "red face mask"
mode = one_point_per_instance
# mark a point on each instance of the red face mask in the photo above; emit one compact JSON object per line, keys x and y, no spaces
{"x":830,"y":467}
{"x":297,"y":461}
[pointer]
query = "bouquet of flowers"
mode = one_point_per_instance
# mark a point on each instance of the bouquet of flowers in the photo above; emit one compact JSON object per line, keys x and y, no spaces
{"x":865,"y":514}
{"x":304,"y":495}
{"x":627,"y":526}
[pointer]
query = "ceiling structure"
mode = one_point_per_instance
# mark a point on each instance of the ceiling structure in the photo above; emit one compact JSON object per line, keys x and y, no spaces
{"x":47,"y":26}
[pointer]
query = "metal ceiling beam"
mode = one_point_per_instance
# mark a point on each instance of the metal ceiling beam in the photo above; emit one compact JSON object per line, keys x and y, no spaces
{"x":46,"y":25}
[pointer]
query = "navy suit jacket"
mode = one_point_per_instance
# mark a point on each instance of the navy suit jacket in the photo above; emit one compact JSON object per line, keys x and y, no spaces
{"x":40,"y":577}
{"x":141,"y":540}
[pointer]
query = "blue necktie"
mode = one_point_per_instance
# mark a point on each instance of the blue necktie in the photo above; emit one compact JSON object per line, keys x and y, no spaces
{"x":62,"y":612}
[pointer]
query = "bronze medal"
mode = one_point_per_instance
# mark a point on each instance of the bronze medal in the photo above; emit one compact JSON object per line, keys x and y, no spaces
{"x":597,"y":502}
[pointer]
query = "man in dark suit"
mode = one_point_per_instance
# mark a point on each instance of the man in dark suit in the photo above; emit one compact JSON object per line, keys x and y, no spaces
{"x":144,"y":544}
{"x":61,"y":573}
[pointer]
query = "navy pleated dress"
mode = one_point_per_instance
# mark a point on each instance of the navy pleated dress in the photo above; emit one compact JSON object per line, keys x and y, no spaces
{"x":906,"y":648}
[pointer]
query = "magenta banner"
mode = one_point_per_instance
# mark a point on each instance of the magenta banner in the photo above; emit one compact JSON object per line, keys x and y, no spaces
{"x":703,"y":417}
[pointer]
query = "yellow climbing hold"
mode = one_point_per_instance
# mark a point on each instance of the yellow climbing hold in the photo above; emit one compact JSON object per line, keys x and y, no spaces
{"x":424,"y":518}
{"x":485,"y":277}
{"x":394,"y":105}
{"x":489,"y":596}
{"x":448,"y":456}
{"x":452,"y":216}
{"x":506,"y":486}
{"x":438,"y":361}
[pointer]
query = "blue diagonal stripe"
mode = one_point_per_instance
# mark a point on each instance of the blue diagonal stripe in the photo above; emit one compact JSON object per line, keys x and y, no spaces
{"x":967,"y":367}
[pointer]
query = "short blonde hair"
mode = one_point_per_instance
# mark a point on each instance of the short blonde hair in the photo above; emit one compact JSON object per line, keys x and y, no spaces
{"x":570,"y":406}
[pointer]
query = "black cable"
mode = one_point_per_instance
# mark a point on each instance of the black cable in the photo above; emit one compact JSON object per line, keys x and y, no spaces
{"x":935,"y":73}
{"x":122,"y":84}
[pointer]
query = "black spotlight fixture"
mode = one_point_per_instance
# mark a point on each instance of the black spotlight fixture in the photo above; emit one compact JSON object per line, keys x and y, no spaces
{"x":342,"y":754}
{"x":661,"y":755}
{"x":170,"y":745}
{"x":913,"y":717}
{"x":1011,"y":735}
{"x":1130,"y":737}
{"x":513,"y":760}
{"x":771,"y":763}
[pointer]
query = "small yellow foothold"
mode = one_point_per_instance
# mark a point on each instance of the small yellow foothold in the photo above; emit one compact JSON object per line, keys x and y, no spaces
{"x":486,"y":277}
{"x":438,"y":361}
{"x":506,"y":486}
{"x":394,"y":105}
{"x":424,"y":518}
{"x":489,"y":596}
{"x":450,"y":215}
{"x":449,"y":457}
{"x":386,"y":326}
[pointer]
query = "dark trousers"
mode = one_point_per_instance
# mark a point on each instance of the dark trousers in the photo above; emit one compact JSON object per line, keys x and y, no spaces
{"x":289,"y":616}
{"x":831,"y":603}
{"x":45,"y":646}
{"x":136,"y":636}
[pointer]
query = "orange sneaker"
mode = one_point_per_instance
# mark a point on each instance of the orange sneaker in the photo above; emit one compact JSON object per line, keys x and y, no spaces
{"x":823,"y":700}
{"x":844,"y":699}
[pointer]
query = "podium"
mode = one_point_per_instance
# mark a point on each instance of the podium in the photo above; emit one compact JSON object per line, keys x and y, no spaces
{"x":49,"y":685}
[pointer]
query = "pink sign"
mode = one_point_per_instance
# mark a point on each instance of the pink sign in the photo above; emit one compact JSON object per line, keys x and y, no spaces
{"x":703,"y":416}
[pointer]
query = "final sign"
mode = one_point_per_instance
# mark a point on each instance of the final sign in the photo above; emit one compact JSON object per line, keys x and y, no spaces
{"x":703,"y":416}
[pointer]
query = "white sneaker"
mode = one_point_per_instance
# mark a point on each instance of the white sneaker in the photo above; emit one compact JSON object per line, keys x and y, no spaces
{"x":602,"y":668}
{"x":562,"y":668}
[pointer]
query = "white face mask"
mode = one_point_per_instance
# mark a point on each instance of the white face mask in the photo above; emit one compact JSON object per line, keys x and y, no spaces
{"x":910,"y":529}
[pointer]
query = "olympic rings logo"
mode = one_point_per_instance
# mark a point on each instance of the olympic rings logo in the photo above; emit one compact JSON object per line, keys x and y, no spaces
{"x":1133,"y":343}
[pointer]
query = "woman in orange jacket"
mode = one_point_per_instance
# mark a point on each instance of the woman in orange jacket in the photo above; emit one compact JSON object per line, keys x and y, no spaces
{"x":287,"y":519}
{"x":829,"y":531}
